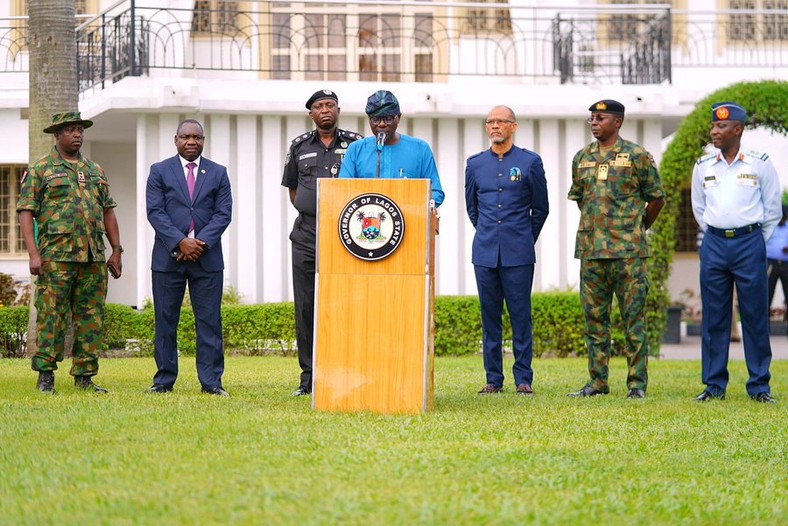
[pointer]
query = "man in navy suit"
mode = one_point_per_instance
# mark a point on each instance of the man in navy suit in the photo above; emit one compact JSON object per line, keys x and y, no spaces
{"x":506,"y":199}
{"x":189,"y":206}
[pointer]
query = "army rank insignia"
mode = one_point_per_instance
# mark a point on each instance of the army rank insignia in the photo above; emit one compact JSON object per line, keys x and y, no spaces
{"x":81,"y":177}
{"x":622,"y":159}
{"x":601,"y":174}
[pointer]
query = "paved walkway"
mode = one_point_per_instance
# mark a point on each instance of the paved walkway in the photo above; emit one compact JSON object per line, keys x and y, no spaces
{"x":689,"y":349}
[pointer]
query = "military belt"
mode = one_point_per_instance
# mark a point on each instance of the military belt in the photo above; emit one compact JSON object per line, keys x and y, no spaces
{"x":734,"y":232}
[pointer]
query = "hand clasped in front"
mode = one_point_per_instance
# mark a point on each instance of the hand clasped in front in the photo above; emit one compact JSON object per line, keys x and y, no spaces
{"x":190,"y":249}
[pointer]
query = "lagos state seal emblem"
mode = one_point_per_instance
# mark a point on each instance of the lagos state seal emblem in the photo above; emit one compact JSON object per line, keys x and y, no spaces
{"x":371,"y":226}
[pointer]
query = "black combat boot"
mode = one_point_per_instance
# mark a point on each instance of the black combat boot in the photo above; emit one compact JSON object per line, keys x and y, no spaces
{"x":46,"y":382}
{"x":86,"y":383}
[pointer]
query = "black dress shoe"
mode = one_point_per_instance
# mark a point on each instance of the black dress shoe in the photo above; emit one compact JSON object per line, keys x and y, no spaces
{"x":587,"y":391}
{"x":158,"y":388}
{"x":216,"y":391}
{"x":46,"y":382}
{"x":705,"y":396}
{"x":636,"y":393}
{"x":86,"y":383}
{"x":764,"y":398}
{"x":302,"y":391}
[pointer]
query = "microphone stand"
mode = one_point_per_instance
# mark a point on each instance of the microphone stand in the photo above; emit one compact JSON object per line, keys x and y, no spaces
{"x":381,"y":141}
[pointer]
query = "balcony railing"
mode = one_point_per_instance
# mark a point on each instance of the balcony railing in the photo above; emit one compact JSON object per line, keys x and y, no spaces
{"x":415,"y":41}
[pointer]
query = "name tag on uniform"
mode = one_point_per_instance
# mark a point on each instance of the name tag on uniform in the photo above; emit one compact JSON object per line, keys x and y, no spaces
{"x":601,"y":174}
{"x":622,"y":159}
{"x":587,"y":164}
{"x":307,"y":156}
{"x":748,"y":180}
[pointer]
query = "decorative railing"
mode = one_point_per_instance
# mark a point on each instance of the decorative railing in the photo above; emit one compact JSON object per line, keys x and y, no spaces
{"x":414,"y":41}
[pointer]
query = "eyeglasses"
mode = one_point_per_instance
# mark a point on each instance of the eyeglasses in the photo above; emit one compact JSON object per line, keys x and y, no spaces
{"x":597,"y":118}
{"x":198,"y":138}
{"x":497,"y":122}
{"x":388,"y":119}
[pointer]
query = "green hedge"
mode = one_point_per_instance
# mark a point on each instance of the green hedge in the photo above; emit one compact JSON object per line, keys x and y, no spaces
{"x":558,"y":327}
{"x":13,"y":331}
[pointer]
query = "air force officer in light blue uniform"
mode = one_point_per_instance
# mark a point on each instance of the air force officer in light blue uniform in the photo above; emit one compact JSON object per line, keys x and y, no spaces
{"x":736,"y":200}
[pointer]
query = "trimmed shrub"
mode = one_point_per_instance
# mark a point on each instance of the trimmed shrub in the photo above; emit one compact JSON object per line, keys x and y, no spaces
{"x":13,"y":331}
{"x":269,"y":328}
{"x":260,"y":329}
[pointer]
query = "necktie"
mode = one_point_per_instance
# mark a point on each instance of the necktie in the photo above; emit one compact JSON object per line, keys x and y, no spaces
{"x":190,"y":186}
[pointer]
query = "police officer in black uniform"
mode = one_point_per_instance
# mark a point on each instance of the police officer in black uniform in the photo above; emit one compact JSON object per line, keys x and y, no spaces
{"x":318,"y":153}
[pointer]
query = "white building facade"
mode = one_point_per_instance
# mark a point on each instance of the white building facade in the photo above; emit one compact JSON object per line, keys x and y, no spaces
{"x":245,"y":69}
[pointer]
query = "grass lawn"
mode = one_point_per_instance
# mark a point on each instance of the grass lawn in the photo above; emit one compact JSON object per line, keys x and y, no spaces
{"x":264,"y":457}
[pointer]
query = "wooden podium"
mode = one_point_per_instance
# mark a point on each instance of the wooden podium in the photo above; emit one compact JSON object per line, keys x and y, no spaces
{"x":374,"y":296}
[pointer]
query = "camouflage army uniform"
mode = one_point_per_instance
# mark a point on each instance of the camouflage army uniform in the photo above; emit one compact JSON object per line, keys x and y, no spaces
{"x":613,"y":188}
{"x":68,"y":200}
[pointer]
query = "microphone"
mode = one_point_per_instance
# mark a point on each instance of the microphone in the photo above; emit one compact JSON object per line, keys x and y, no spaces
{"x":381,"y":140}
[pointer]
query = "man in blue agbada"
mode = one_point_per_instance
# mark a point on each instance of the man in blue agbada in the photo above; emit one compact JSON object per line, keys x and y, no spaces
{"x":506,"y":200}
{"x":401,"y":156}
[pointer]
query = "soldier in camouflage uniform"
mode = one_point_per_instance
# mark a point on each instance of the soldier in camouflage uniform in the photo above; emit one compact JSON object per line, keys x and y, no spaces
{"x":318,"y":153}
{"x":619,"y":193}
{"x":69,"y":197}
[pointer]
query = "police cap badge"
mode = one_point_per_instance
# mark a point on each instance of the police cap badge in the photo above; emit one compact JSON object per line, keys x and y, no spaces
{"x":320,"y":95}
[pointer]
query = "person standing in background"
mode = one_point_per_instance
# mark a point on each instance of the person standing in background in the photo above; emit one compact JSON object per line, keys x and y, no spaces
{"x":189,"y":204}
{"x":318,"y":153}
{"x":68,"y":194}
{"x":618,"y":190}
{"x":736,"y":201}
{"x":777,"y":258}
{"x":506,"y":201}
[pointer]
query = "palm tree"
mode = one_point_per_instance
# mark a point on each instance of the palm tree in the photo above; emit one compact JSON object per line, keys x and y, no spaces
{"x":51,"y":43}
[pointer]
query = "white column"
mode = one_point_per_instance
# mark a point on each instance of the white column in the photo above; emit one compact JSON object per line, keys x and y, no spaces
{"x":244,"y":232}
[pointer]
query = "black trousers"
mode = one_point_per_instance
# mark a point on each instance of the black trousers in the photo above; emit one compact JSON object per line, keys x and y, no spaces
{"x":303,"y":239}
{"x":778,"y":270}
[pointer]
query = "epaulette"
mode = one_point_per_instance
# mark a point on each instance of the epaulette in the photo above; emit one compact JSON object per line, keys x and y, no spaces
{"x":706,"y":158}
{"x":477,"y":154}
{"x":350,"y":135}
{"x":302,"y":138}
{"x":759,"y":155}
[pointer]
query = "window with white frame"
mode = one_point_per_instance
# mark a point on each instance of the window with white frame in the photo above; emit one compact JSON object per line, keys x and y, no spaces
{"x":353,"y":42}
{"x":757,"y":27}
{"x":11,"y":242}
{"x":488,"y":20}
{"x":212,"y":18}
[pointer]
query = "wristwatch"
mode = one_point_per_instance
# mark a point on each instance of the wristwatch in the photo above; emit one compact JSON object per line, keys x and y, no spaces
{"x":118,"y":248}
